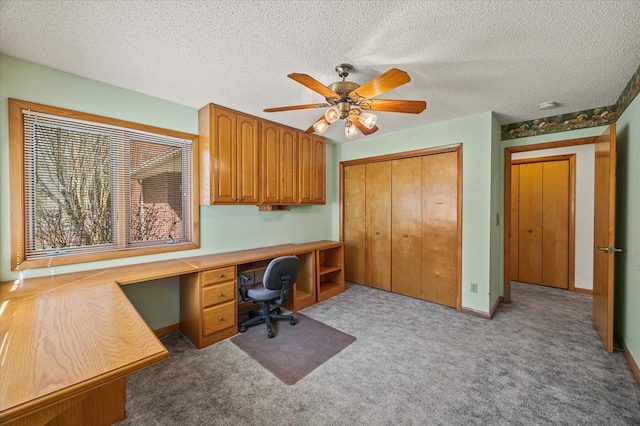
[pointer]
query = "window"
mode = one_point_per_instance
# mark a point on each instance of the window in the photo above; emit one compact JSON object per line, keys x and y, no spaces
{"x":89,"y":188}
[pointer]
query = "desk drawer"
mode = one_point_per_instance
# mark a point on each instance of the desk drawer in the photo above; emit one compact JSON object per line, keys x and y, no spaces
{"x":214,"y":276}
{"x":219,"y":317}
{"x":215,"y":294}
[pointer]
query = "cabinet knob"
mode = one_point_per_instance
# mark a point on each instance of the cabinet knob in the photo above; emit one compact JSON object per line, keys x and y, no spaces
{"x":220,"y":275}
{"x":377,"y":233}
{"x":221,"y":319}
{"x":220,"y":294}
{"x":406,"y":235}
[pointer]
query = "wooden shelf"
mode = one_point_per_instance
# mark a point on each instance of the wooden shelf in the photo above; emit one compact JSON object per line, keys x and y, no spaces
{"x":327,"y":269}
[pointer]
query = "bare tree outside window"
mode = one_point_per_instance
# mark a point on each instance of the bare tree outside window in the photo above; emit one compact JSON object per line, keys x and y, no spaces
{"x":73,"y":188}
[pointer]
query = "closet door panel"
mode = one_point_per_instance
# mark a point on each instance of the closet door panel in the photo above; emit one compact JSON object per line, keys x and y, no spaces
{"x":555,"y":219}
{"x":378,"y":225}
{"x":515,"y":202}
{"x":354,"y":223}
{"x":440,"y":228}
{"x":406,"y":234}
{"x":530,"y":226}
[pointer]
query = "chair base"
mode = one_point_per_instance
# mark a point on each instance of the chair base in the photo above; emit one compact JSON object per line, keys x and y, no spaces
{"x":266,"y":316}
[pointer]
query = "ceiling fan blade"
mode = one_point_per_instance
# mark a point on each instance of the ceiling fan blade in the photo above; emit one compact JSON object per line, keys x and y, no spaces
{"x":311,"y":129}
{"x":387,"y":81}
{"x":410,"y":107}
{"x":363,"y":129}
{"x":314,"y":85}
{"x":294,"y":107}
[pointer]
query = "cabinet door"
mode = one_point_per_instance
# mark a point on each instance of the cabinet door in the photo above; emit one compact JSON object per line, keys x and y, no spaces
{"x":440,"y":262}
{"x":270,"y":163}
{"x":530,"y":223}
{"x":288,"y":166}
{"x":305,"y":178}
{"x":247,"y":159}
{"x":406,"y":217}
{"x":223,"y":175}
{"x":378,"y":225}
{"x":353,"y":232}
{"x":318,"y":171}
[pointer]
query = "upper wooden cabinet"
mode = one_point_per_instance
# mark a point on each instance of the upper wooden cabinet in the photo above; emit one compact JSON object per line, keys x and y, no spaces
{"x":312,"y":168}
{"x":246,"y":160}
{"x":229,"y":154}
{"x":279,"y":164}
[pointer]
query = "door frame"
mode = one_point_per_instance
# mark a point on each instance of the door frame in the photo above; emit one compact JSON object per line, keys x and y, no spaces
{"x":507,"y":199}
{"x":571,"y":225}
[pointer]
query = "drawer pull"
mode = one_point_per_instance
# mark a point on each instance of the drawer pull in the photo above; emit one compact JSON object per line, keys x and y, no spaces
{"x":221,"y":319}
{"x":220,"y":275}
{"x":220,"y":295}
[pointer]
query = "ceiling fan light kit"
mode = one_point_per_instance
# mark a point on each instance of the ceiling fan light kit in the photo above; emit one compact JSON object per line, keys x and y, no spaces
{"x":347,"y":100}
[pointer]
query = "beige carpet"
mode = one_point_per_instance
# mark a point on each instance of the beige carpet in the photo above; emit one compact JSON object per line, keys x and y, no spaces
{"x":295,"y":351}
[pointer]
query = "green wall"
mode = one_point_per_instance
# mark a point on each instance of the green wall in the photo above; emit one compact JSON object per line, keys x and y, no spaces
{"x":476,"y":134}
{"x":627,"y":263}
{"x":222,"y":228}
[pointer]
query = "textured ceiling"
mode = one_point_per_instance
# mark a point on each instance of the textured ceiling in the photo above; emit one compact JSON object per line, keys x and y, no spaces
{"x":464,"y":57}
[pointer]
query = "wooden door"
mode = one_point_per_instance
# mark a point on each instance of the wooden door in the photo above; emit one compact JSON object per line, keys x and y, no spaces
{"x":223,"y":187}
{"x":406,"y":234}
{"x":353,"y":231}
{"x":555,"y":224}
{"x":378,"y":225}
{"x":270,"y":163}
{"x":247,"y":159}
{"x":515,"y":207}
{"x":318,"y":170}
{"x":305,"y":184}
{"x":440,"y":261}
{"x":288,"y":166}
{"x":604,"y":235}
{"x":541,"y":220}
{"x":530,"y":223}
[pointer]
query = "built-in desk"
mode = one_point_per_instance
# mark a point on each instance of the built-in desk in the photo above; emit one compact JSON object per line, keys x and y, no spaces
{"x":68,"y":342}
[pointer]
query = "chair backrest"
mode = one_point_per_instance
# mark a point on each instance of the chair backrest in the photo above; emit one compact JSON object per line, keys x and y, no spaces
{"x":281,"y":273}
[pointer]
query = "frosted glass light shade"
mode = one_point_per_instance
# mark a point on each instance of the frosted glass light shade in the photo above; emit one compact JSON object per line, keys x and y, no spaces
{"x":321,"y":126}
{"x":350,"y":130}
{"x":367,"y":120}
{"x":332,"y":115}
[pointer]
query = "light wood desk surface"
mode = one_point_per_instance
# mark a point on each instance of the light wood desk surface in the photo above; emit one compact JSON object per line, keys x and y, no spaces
{"x":66,"y":334}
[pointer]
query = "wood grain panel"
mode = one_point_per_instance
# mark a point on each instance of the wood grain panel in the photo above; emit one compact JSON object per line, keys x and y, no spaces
{"x":354,"y":223}
{"x":406,"y":234}
{"x":305,"y":159}
{"x":604,"y":235}
{"x":555,"y":219}
{"x":378,"y":225}
{"x":514,"y":223}
{"x":247,"y":159}
{"x":319,"y":170}
{"x":224,"y":152}
{"x":288,"y":165}
{"x":270,"y":164}
{"x":440,"y":267}
{"x":530,"y":226}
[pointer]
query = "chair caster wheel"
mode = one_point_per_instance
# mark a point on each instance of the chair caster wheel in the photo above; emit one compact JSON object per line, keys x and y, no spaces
{"x":243,"y":329}
{"x":292,"y":322}
{"x":270,"y":334}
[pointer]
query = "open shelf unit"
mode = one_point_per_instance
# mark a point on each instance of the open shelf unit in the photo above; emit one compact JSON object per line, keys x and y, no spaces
{"x":330,"y":271}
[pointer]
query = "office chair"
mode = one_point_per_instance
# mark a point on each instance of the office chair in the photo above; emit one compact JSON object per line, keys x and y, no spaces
{"x":280,"y":275}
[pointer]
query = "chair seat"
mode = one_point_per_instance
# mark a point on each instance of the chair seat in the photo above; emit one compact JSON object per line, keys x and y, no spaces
{"x":259,"y":293}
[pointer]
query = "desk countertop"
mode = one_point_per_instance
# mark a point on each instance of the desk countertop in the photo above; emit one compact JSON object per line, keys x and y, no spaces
{"x":61,"y":335}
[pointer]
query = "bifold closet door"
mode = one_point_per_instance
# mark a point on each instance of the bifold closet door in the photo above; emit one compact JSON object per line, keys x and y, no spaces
{"x":440,"y":228}
{"x":406,"y":226}
{"x":378,"y":225}
{"x":354,"y":223}
{"x":555,"y":223}
{"x":530,"y":223}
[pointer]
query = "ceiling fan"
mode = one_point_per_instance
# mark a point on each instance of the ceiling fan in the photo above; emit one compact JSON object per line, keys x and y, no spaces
{"x":348,"y":101}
